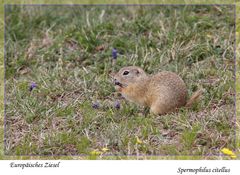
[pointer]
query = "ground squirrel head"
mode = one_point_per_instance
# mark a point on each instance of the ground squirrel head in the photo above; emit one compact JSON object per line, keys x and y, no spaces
{"x":127,"y":76}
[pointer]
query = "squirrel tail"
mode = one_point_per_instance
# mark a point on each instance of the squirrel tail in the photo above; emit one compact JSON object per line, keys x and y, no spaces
{"x":196,"y":95}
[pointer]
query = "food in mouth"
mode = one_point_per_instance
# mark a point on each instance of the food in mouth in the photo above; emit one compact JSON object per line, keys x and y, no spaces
{"x":118,"y":84}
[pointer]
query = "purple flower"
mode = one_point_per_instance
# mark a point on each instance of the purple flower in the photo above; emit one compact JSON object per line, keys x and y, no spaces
{"x":117,"y":105}
{"x":32,"y":86}
{"x":95,"y":105}
{"x":114,"y":53}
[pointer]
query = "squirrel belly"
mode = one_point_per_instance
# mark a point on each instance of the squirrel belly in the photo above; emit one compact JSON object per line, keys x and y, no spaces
{"x":139,"y":98}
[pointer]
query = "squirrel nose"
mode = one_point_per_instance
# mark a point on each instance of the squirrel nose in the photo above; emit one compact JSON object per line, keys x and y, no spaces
{"x":116,"y":82}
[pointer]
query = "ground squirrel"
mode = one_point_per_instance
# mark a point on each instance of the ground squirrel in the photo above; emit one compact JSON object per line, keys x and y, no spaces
{"x":163,"y":92}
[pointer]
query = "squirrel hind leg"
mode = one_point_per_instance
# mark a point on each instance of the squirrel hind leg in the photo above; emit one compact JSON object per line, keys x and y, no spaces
{"x":159,"y":108}
{"x":156,"y":109}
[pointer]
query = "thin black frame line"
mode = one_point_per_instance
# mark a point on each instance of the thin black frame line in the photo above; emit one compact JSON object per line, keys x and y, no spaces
{"x":230,"y":4}
{"x":114,"y":155}
{"x":235,"y":78}
{"x":4,"y":89}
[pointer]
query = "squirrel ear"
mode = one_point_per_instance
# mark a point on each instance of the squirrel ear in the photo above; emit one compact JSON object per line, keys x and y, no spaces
{"x":136,"y":71}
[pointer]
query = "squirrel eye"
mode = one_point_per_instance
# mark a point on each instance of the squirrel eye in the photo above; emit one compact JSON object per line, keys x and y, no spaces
{"x":125,"y":72}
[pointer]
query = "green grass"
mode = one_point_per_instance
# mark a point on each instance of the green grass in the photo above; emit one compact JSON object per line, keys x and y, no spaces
{"x":1,"y":84}
{"x":59,"y":49}
{"x":124,"y":2}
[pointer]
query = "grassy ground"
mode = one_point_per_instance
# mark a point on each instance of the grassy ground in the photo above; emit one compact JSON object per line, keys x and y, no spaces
{"x":122,"y":2}
{"x":238,"y":74}
{"x":1,"y":83}
{"x":66,"y":51}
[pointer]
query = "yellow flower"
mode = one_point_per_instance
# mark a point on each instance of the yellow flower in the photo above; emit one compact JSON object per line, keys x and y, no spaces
{"x":138,"y":140}
{"x":229,"y":153}
{"x":209,"y":36}
{"x":105,"y":149}
{"x":95,"y":152}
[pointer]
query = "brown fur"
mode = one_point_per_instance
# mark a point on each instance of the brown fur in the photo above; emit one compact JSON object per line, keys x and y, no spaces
{"x":163,"y":92}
